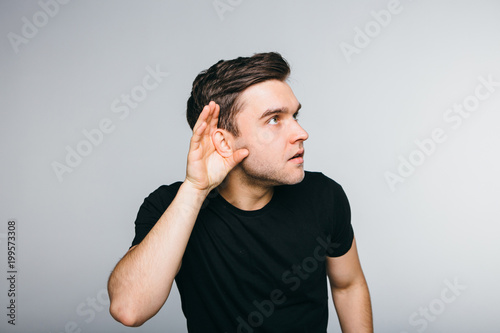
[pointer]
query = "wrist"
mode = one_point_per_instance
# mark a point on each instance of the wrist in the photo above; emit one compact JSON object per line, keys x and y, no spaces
{"x":193,"y":190}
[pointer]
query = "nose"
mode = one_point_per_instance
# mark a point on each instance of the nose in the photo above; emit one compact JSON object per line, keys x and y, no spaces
{"x":299,"y":134}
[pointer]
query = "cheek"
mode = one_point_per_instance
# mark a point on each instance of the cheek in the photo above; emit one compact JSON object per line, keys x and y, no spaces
{"x":264,"y":137}
{"x":265,"y":144}
{"x":269,"y":153}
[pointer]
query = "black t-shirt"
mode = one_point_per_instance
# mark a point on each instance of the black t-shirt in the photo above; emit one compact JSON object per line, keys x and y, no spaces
{"x":261,"y":270}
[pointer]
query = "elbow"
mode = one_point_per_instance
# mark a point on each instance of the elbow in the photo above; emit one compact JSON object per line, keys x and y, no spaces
{"x":125,"y":315}
{"x":349,"y":286}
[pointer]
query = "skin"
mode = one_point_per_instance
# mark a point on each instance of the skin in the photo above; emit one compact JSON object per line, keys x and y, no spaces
{"x":245,"y":170}
{"x":271,"y":141}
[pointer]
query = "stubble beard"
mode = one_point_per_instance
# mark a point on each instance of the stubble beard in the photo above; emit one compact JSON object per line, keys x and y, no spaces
{"x":264,"y":175}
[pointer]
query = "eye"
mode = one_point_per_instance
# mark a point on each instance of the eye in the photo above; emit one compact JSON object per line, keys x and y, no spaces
{"x":296,"y":116}
{"x":273,"y":120}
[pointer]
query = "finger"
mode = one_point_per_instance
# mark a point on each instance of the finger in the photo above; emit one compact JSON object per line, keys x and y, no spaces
{"x":197,"y":136}
{"x":238,"y":156}
{"x":201,"y":118}
{"x":201,"y":124}
{"x":215,"y":117}
{"x":212,"y":108}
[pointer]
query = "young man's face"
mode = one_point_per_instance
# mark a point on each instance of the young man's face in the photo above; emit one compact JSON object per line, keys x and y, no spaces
{"x":269,"y":130}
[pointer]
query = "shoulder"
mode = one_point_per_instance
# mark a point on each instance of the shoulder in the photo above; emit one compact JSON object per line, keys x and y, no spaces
{"x":318,"y":177}
{"x":317,"y":181}
{"x":164,"y":190}
{"x":162,"y":196}
{"x":315,"y":187}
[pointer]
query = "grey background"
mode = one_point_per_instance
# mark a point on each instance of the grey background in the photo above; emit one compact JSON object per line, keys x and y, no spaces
{"x":440,"y":224}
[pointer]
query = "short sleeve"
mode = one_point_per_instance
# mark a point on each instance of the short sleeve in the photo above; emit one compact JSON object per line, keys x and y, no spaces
{"x":152,"y":209}
{"x":342,"y":233}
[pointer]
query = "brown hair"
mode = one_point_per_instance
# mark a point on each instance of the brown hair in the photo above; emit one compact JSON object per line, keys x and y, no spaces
{"x":225,"y":81}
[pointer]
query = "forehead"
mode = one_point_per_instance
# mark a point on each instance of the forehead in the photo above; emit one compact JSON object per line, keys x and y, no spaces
{"x":272,"y":94}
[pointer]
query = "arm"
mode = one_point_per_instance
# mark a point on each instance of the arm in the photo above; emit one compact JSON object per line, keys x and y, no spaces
{"x":141,"y":281}
{"x":350,"y":292}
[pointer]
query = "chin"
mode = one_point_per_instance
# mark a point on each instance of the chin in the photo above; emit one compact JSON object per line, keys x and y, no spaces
{"x":301,"y":176}
{"x":294,"y":177}
{"x":270,"y":177}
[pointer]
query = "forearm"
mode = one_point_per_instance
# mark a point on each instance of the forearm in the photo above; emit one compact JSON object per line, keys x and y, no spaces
{"x":353,"y":308}
{"x":141,"y":282}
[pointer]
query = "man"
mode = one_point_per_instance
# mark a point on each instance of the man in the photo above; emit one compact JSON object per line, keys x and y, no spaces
{"x":248,"y":236}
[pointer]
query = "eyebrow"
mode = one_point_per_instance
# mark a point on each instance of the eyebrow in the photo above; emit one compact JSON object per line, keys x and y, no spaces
{"x":270,"y":112}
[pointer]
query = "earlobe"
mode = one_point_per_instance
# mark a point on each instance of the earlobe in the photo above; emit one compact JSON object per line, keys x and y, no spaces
{"x":222,"y":142}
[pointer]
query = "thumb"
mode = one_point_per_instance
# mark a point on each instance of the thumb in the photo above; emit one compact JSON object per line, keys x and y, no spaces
{"x":239,"y":155}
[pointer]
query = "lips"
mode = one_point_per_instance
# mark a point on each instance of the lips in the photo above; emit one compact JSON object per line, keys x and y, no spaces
{"x":300,"y":153}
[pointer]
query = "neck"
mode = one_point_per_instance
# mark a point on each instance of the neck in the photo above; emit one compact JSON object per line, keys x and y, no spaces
{"x":243,"y":193}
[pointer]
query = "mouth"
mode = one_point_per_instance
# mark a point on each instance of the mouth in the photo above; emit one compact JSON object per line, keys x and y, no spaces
{"x":299,"y":157}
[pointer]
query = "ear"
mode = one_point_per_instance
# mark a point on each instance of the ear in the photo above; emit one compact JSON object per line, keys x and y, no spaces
{"x":223,"y":142}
